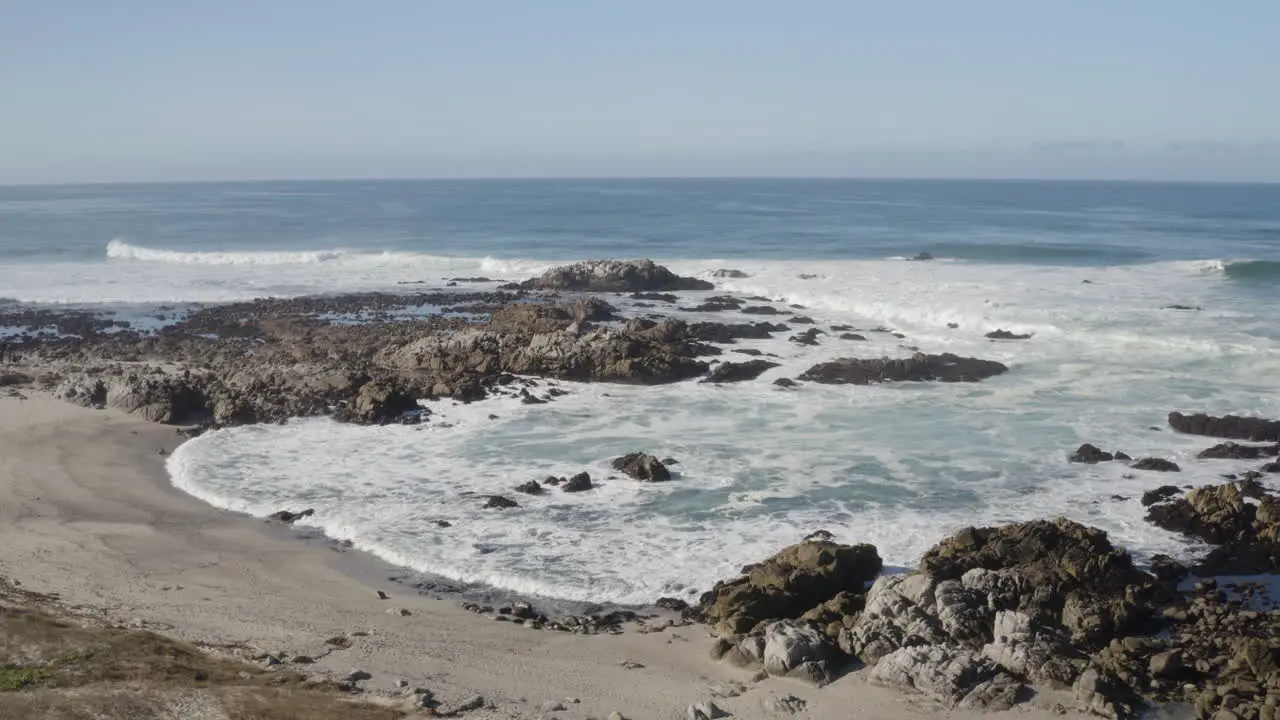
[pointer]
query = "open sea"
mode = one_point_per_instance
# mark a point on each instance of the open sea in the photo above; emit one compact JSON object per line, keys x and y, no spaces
{"x":1088,"y":268}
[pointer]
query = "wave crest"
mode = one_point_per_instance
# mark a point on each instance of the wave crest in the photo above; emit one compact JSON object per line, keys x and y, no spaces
{"x":1253,"y":270}
{"x":120,"y":249}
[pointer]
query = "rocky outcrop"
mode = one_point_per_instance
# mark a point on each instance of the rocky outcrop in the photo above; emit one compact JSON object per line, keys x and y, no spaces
{"x":578,"y":483}
{"x":730,"y":274}
{"x":795,"y":580}
{"x":1230,"y":426}
{"x":642,"y":466}
{"x":732,"y":372}
{"x":1242,"y":519}
{"x":917,"y":368}
{"x":730,"y":332}
{"x":614,"y":276}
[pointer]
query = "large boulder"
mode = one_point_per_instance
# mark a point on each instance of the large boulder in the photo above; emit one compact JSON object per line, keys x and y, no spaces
{"x":642,"y":466}
{"x":919,"y":368}
{"x":1232,"y":427}
{"x":953,"y":676}
{"x":1236,"y":451}
{"x":794,"y":580}
{"x":797,"y":649}
{"x":614,"y":276}
{"x":162,"y":398}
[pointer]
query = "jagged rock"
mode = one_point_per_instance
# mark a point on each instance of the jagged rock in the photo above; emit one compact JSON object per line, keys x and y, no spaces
{"x":705,"y":710}
{"x":792,"y":646}
{"x":731,"y":372}
{"x":953,"y":676}
{"x":785,"y":705}
{"x":1038,"y":654}
{"x":1247,"y":534}
{"x":1006,"y":335}
{"x":1090,"y":455}
{"x":1103,"y":696}
{"x":899,"y":609}
{"x":379,"y":402}
{"x":1235,"y":451}
{"x":852,"y":336}
{"x":1156,"y":465}
{"x":786,"y":383}
{"x":786,"y":585}
{"x":499,"y":502}
{"x":801,"y":320}
{"x":732,"y":274}
{"x":1160,"y":494}
{"x":614,"y":276}
{"x":919,"y":367}
{"x":288,"y":517}
{"x":808,"y":337}
{"x":578,"y":483}
{"x":761,"y":310}
{"x":1230,"y":426}
{"x":533,"y":487}
{"x":642,"y":466}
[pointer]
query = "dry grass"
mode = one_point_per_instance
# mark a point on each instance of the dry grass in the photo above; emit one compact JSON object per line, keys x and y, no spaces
{"x":56,"y":670}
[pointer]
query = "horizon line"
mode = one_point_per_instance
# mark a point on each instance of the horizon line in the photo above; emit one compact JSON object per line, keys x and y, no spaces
{"x":632,"y":178}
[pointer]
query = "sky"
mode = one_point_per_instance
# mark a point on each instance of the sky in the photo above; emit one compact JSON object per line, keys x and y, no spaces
{"x":153,"y":90}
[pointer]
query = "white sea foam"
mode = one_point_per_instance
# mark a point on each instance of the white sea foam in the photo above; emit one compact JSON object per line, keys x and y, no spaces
{"x":899,"y":466}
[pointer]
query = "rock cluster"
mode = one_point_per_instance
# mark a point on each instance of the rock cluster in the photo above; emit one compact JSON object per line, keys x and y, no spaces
{"x":1229,"y":426}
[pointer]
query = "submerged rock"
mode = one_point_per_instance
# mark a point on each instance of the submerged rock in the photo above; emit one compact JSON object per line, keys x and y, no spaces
{"x":1156,"y":465}
{"x":918,"y":368}
{"x":1006,"y":335}
{"x":732,"y":274}
{"x":731,"y":372}
{"x":1235,"y":451}
{"x":1090,"y":455}
{"x":578,"y":483}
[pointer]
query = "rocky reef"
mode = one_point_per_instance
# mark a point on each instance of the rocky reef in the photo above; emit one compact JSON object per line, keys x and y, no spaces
{"x":990,"y":614}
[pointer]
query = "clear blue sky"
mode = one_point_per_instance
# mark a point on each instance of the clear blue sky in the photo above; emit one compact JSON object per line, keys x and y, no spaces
{"x":92,"y":90}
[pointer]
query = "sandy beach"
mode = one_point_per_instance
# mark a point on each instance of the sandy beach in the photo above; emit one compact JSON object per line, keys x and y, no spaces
{"x":86,"y":512}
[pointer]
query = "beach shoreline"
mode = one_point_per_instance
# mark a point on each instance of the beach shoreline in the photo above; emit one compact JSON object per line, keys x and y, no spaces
{"x":88,"y":514}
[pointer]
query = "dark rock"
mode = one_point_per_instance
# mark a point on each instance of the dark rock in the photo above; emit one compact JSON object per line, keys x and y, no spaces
{"x":1156,"y":465}
{"x":1090,"y":455}
{"x":760,"y":310}
{"x":1229,"y":426}
{"x":731,"y":372}
{"x":851,"y":336}
{"x":801,"y":320}
{"x":1006,"y":335}
{"x":1160,"y":494}
{"x":614,"y":276}
{"x":578,"y":483}
{"x":656,"y":297}
{"x":499,"y":502}
{"x":643,"y":467}
{"x":731,"y":274}
{"x":917,"y":368}
{"x":1182,"y":307}
{"x":923,"y":256}
{"x":841,"y":328}
{"x":752,"y":352}
{"x":1234,"y":451}
{"x":715,"y":306}
{"x":285,"y":516}
{"x":673,"y":604}
{"x":808,"y":337}
{"x":533,"y":487}
{"x":786,"y":383}
{"x":730,"y":332}
{"x":1166,"y":569}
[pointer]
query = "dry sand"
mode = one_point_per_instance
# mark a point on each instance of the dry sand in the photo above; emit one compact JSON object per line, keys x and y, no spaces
{"x":86,"y":511}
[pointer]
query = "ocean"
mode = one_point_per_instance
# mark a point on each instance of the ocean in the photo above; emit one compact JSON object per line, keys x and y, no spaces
{"x":1089,"y":270}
